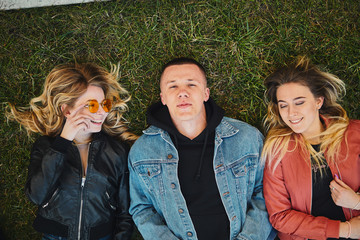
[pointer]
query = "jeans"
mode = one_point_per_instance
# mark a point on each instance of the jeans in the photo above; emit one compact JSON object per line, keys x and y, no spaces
{"x":52,"y":237}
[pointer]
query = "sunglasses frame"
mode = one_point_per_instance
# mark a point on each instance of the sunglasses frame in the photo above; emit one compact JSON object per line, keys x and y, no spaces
{"x":106,"y":106}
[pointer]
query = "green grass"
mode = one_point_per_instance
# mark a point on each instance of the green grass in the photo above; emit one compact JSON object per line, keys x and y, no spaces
{"x":239,"y":42}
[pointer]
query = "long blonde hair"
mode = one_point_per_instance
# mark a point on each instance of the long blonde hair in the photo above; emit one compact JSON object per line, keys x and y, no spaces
{"x":64,"y":85}
{"x":321,"y":84}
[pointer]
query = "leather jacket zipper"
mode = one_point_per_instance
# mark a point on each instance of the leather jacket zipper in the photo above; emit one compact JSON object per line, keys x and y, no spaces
{"x":83,"y":180}
{"x":52,"y":197}
{"x":81,"y":206}
{"x":108,"y":197}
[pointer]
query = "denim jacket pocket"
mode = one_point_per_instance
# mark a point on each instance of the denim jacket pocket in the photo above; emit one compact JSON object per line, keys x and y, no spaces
{"x":243,"y":173}
{"x":151,"y":175}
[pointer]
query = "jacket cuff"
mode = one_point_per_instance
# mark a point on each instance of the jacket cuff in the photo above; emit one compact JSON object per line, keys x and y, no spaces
{"x":61,"y":144}
{"x":332,"y":229}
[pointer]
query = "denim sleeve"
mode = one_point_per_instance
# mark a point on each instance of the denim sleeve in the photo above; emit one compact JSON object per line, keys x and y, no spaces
{"x":149,"y":222}
{"x":257,"y":225}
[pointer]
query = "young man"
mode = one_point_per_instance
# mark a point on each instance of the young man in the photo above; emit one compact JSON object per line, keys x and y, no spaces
{"x":195,"y":174}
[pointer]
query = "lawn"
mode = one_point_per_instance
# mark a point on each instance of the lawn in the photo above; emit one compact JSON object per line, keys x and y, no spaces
{"x":239,"y":43}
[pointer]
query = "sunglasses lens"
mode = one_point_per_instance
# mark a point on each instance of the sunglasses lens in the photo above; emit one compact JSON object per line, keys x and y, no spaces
{"x":106,"y":104}
{"x":93,"y":106}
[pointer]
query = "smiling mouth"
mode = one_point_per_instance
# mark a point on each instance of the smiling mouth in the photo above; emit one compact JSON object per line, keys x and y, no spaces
{"x":96,"y":122}
{"x":295,"y":121}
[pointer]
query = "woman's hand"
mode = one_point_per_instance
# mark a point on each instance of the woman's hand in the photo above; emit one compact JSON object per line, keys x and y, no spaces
{"x":355,"y":227}
{"x":75,"y":121}
{"x":350,"y":229}
{"x":343,"y":195}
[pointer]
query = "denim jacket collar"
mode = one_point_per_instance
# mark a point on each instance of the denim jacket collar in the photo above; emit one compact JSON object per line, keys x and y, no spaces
{"x":224,"y":130}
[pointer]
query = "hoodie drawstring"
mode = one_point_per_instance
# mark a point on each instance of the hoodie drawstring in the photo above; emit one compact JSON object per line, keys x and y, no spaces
{"x":198,"y":174}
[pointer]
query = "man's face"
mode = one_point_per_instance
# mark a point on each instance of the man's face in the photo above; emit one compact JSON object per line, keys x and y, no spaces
{"x":183,"y":91}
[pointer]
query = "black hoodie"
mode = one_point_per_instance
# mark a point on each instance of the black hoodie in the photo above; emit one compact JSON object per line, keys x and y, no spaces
{"x":196,"y":171}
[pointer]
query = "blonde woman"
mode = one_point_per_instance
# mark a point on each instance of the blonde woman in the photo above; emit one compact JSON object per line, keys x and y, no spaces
{"x":312,"y":150}
{"x":78,"y":172}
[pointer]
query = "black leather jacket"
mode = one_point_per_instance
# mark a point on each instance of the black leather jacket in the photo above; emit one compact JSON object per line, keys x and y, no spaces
{"x":75,"y":208}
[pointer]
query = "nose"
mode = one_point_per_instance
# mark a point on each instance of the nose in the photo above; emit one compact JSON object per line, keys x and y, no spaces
{"x":183,"y":93}
{"x":292,"y":111}
{"x":100,"y":110}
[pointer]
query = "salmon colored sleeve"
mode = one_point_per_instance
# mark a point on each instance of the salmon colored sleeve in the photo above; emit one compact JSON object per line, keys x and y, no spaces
{"x":286,"y":218}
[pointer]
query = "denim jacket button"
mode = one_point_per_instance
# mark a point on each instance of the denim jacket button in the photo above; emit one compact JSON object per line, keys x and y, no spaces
{"x":169,"y":156}
{"x":173,"y":185}
{"x":181,"y":210}
{"x":189,"y":234}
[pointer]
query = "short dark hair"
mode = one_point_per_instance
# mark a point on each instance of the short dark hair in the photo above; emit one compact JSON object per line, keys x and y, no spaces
{"x":181,"y":61}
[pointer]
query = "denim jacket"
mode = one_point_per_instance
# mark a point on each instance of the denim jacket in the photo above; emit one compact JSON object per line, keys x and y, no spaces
{"x":157,"y":204}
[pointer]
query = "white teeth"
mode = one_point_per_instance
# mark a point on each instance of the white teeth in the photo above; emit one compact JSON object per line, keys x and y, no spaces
{"x":295,"y":121}
{"x":95,"y":121}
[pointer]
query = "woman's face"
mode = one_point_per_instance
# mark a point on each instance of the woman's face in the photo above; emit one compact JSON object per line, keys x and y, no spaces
{"x":96,"y":119}
{"x":299,"y":109}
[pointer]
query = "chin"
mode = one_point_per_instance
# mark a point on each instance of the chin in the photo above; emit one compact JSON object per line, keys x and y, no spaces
{"x":185,"y":116}
{"x":298,"y":131}
{"x":95,"y":130}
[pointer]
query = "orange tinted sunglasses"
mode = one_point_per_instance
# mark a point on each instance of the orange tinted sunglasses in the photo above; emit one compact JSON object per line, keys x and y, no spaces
{"x":93,"y":105}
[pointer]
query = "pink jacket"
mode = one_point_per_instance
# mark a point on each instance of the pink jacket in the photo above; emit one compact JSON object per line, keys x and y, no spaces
{"x":288,"y":191}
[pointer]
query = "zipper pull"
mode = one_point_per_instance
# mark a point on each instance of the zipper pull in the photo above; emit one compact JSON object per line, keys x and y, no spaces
{"x":83,"y":182}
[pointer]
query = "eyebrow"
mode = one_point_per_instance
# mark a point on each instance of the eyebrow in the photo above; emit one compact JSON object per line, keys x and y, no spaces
{"x":293,"y":100}
{"x":172,"y":81}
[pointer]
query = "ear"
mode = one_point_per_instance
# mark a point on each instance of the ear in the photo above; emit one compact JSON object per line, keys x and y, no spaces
{"x":65,"y":109}
{"x":319,"y":102}
{"x":207,"y":94}
{"x":162,"y":99}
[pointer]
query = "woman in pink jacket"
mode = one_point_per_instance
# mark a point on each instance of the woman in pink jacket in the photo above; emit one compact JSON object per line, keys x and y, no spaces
{"x":312,"y":154}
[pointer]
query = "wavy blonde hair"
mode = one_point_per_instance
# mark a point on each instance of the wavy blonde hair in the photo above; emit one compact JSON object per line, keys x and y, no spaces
{"x":279,"y":135}
{"x":64,"y":85}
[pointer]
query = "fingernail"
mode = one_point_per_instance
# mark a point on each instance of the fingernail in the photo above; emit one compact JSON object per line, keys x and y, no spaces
{"x":336,"y":176}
